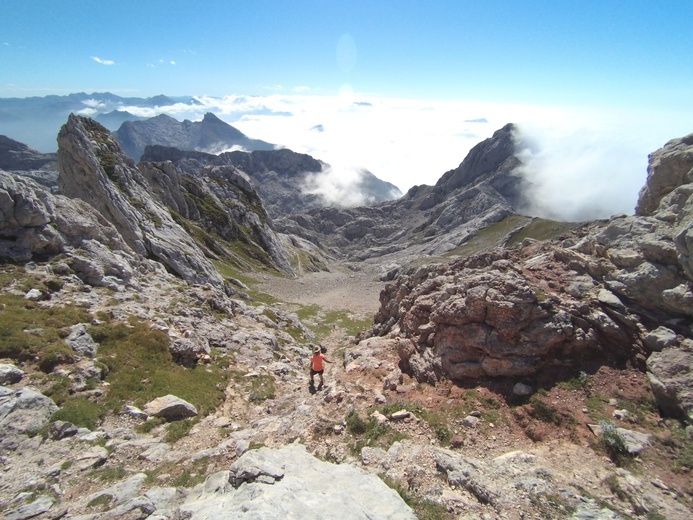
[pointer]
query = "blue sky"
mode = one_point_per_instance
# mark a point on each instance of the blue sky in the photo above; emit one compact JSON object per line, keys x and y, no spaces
{"x":600,"y":82}
{"x":575,"y":52}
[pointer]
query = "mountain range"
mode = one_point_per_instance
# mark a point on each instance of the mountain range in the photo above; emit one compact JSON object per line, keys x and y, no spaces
{"x":515,"y":367}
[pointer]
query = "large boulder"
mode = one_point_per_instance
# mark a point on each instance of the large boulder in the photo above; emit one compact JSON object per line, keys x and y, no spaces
{"x":671,"y":377}
{"x":171,"y":408}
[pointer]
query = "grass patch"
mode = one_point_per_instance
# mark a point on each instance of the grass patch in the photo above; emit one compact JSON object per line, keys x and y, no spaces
{"x":613,"y":443}
{"x":370,"y":433}
{"x":30,"y":331}
{"x":141,"y":368}
{"x":108,"y":473}
{"x":543,"y":412}
{"x":179,"y":429}
{"x":81,"y":412}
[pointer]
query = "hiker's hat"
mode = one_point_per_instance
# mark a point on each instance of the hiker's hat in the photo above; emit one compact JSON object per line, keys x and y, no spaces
{"x":316,"y":349}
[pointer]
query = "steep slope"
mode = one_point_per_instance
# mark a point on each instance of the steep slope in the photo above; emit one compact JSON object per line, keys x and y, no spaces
{"x":209,"y":135}
{"x":281,"y":177}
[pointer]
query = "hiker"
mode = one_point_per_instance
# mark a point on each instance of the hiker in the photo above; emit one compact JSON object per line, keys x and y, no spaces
{"x":316,"y":365}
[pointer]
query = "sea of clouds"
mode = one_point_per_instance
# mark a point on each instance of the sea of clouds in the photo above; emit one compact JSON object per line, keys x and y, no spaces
{"x":582,"y":163}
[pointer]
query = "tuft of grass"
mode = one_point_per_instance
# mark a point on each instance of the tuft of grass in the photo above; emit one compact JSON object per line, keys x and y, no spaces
{"x":543,"y":412}
{"x":179,"y":429}
{"x":614,"y":444}
{"x":81,"y":412}
{"x":424,"y":509}
{"x":370,"y":433}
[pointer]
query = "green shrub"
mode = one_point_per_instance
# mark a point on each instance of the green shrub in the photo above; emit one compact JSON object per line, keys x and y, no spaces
{"x":613,"y":443}
{"x":178,"y":429}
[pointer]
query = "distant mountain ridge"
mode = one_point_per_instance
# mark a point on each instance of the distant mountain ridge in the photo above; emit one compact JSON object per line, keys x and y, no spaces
{"x":37,"y":120}
{"x":279,"y":176}
{"x":209,"y":135}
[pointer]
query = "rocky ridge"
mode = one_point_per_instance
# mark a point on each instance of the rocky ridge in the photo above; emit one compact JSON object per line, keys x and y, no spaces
{"x":492,"y":458}
{"x":604,"y":291}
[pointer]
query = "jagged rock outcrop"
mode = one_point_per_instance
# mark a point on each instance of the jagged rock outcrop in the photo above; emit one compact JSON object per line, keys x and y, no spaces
{"x":602,"y":292}
{"x":482,"y":190}
{"x":222,"y":201}
{"x":94,"y":169}
{"x":209,"y":135}
{"x":281,"y":177}
{"x":18,"y":158}
{"x":35,"y":224}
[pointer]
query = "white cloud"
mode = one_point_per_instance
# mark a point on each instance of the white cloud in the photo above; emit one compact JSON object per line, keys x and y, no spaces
{"x":337,"y":185}
{"x":102,"y":62}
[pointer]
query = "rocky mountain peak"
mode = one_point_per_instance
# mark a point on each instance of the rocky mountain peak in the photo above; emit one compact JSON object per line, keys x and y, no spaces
{"x":497,"y":153}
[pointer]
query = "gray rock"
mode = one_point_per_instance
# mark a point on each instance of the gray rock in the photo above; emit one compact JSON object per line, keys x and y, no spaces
{"x":308,"y":489}
{"x":81,"y":341}
{"x":522,"y":389}
{"x":659,"y":339}
{"x":24,"y":411}
{"x":25,"y":511}
{"x":263,"y":465}
{"x":10,"y":374}
{"x":671,"y":377}
{"x":62,"y":429}
{"x":170,"y":407}
{"x":90,"y":458}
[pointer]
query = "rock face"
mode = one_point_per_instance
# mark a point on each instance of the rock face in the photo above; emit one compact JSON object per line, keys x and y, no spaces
{"x":221,"y":201}
{"x":281,"y":177}
{"x":209,"y":135}
{"x":610,"y":290}
{"x":290,"y":483}
{"x":95,"y":170}
{"x":481,"y":191}
{"x":38,"y":224}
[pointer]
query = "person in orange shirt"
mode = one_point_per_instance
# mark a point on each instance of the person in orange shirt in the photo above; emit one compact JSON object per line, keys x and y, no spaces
{"x":316,"y":365}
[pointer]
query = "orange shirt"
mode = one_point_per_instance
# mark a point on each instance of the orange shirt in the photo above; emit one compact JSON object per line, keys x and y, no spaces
{"x":316,"y":362}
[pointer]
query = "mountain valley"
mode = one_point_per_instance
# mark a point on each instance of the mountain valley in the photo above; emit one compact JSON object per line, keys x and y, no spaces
{"x":157,"y":321}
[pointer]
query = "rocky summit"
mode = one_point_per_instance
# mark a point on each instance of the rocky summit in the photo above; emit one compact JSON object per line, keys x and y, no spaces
{"x":157,"y":321}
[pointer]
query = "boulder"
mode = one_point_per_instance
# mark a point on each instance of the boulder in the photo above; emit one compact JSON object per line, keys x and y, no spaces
{"x":10,"y":374}
{"x":170,"y":407}
{"x":24,"y":411}
{"x":671,"y":377}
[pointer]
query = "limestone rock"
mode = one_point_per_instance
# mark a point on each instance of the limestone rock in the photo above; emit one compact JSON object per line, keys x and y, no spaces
{"x":309,"y":488}
{"x":81,"y":341}
{"x":10,"y":374}
{"x":671,"y":377}
{"x":24,"y":411}
{"x":170,"y":407}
